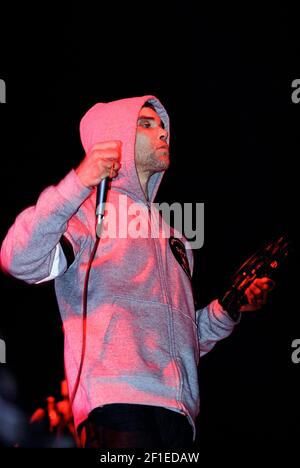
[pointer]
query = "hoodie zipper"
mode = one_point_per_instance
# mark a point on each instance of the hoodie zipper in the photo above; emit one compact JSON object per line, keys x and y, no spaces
{"x":164,"y":286}
{"x":163,"y":283}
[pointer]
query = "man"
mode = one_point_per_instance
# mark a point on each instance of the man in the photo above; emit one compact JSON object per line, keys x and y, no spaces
{"x":138,"y":383}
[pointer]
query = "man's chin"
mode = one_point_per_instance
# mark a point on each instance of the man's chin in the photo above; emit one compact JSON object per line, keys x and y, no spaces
{"x":161,"y":167}
{"x":164,"y":165}
{"x":165,"y":162}
{"x":161,"y":164}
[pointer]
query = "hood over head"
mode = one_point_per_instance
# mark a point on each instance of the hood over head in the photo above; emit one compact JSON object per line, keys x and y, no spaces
{"x":117,"y":120}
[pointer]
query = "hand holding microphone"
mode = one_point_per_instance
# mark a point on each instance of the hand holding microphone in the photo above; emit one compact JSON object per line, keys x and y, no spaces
{"x":100,"y":164}
{"x":103,"y":160}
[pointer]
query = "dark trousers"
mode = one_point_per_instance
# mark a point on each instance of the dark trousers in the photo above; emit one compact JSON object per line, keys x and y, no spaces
{"x":136,"y":426}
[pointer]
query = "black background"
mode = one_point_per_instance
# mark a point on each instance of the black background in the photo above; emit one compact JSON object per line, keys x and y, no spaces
{"x":224,"y":73}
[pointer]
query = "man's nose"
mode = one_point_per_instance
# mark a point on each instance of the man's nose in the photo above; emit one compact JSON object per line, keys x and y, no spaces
{"x":163,"y":135}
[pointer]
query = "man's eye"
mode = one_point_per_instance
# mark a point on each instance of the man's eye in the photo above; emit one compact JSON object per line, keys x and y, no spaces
{"x":146,"y":124}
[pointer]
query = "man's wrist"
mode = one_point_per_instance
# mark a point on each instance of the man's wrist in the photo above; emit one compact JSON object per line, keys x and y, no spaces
{"x":232,"y":312}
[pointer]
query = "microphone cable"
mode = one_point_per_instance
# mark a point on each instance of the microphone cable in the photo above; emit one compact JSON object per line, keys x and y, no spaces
{"x":84,"y":318}
{"x":100,"y":190}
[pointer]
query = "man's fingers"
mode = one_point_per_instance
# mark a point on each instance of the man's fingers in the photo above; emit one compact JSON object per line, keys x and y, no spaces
{"x":105,"y":154}
{"x":255,"y":289}
{"x":257,"y":294}
{"x":251,"y":297}
{"x":264,"y":283}
{"x":111,"y":168}
{"x":110,"y":165}
{"x":106,"y":145}
{"x":103,"y":160}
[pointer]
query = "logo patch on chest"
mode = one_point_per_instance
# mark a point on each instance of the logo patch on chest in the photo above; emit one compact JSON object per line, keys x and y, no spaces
{"x":179,"y":253}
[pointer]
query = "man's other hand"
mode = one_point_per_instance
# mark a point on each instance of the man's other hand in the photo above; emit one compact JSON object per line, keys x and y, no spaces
{"x":257,"y":294}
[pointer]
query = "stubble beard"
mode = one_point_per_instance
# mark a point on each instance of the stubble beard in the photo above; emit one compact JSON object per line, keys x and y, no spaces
{"x":159,"y":162}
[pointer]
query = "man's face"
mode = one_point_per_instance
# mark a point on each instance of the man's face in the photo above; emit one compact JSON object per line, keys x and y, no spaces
{"x":151,"y":147}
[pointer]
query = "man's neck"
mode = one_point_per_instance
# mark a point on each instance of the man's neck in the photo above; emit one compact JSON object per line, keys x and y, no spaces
{"x":144,"y":179}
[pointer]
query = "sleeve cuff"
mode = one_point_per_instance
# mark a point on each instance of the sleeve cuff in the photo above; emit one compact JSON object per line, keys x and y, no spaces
{"x":223,"y":315}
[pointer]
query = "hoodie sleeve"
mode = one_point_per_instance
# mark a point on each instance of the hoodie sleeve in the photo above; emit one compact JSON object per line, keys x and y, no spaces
{"x":32,"y":245}
{"x":214,"y":324}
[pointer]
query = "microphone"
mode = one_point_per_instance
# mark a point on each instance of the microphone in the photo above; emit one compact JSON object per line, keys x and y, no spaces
{"x":100,"y":204}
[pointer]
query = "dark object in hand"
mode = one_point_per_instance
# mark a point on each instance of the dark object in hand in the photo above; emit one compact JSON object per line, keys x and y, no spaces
{"x":266,"y":262}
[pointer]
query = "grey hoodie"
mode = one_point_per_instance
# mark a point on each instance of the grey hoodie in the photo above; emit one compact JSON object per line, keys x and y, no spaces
{"x":144,"y":337}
